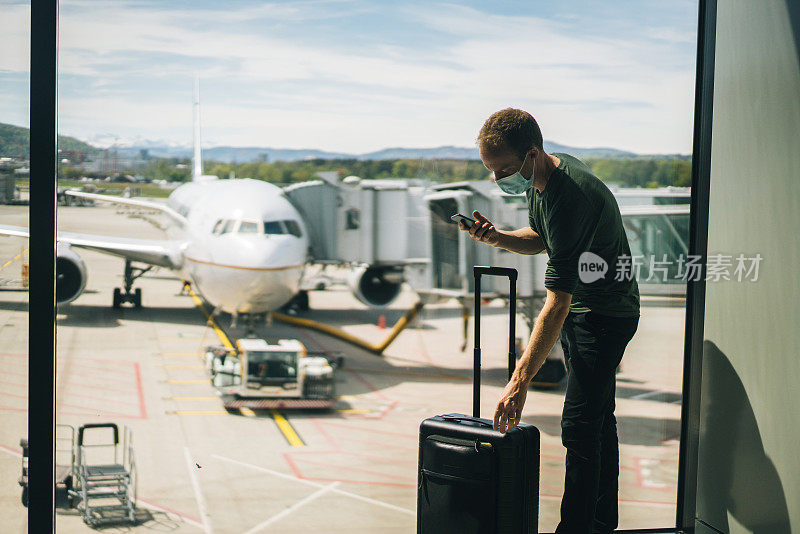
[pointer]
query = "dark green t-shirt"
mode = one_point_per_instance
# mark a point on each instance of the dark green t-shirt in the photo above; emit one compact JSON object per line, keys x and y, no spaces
{"x":575,"y":214}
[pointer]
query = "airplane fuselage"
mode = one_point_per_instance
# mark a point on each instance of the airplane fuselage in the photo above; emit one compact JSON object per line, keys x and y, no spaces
{"x":244,"y":244}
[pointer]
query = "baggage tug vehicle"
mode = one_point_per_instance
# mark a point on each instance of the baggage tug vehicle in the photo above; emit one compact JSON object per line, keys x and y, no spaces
{"x":281,"y":374}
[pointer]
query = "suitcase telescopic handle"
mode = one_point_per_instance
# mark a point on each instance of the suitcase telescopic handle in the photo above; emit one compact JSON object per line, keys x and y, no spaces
{"x":511,"y":273}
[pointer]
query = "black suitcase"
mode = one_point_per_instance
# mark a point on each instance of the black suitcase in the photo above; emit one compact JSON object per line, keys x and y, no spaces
{"x":471,"y":478}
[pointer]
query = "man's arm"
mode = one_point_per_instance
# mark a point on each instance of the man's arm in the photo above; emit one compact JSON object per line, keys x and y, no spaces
{"x":544,"y":335}
{"x":522,"y":241}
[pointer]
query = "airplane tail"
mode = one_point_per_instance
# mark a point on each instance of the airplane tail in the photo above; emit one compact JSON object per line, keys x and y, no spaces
{"x":197,"y":159}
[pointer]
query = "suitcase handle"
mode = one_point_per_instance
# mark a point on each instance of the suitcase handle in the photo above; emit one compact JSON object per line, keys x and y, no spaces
{"x":511,"y":273}
{"x":476,"y":420}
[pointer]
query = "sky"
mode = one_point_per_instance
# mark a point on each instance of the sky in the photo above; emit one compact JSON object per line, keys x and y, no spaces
{"x":358,"y":76}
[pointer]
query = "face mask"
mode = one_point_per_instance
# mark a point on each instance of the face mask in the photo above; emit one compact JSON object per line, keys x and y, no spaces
{"x":515,"y":184}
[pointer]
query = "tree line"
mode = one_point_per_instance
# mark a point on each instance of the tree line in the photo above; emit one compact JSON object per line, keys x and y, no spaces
{"x":637,"y":172}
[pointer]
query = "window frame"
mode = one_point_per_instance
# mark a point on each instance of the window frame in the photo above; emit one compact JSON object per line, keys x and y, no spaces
{"x":42,"y":308}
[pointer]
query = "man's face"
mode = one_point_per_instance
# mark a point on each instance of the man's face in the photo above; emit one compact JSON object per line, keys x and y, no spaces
{"x":503,"y":162}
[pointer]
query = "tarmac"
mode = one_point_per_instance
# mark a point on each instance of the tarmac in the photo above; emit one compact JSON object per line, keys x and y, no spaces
{"x":351,"y":469}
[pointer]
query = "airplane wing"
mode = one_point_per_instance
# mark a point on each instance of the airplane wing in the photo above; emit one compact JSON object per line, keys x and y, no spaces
{"x":130,"y":202}
{"x":163,"y":253}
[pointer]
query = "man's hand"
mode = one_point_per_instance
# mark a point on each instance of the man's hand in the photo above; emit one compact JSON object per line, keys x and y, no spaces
{"x":483,"y":230}
{"x":509,"y":407}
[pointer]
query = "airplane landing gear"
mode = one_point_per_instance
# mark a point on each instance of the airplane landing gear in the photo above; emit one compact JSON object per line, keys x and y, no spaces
{"x":298,"y":303}
{"x":128,"y":294}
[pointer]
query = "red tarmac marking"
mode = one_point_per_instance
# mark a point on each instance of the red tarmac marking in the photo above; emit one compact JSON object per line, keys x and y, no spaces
{"x":367,"y":383}
{"x":373,"y":430}
{"x":377,"y":443}
{"x":87,"y":408}
{"x":350,"y":468}
{"x":104,"y":370}
{"x":105,"y":379}
{"x":15,"y":452}
{"x":13,"y":384}
{"x":140,"y":391}
{"x":170,"y":510}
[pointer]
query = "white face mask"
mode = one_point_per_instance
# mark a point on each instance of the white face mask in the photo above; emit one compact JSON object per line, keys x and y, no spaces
{"x":515,"y":184}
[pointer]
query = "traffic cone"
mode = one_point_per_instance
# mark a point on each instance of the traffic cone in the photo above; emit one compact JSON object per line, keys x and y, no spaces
{"x":382,"y":321}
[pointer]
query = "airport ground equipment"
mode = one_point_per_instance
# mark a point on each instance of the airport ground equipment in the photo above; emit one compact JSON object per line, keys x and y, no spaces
{"x":96,"y":476}
{"x":262,"y":375}
{"x":471,"y":478}
{"x":64,"y":468}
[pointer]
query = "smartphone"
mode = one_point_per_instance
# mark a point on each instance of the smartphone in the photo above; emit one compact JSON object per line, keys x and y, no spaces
{"x":468,"y":221}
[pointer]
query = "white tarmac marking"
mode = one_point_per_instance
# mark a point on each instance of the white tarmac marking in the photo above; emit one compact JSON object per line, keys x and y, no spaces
{"x":201,"y":502}
{"x":317,"y":485}
{"x":292,"y":508}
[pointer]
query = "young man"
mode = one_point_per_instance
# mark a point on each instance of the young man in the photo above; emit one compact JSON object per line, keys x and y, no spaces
{"x":574,"y":218}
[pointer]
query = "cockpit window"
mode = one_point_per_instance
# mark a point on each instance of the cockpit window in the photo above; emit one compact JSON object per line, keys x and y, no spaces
{"x":218,"y":226}
{"x":248,"y":227}
{"x":273,"y":228}
{"x":293,"y":228}
{"x":227,"y":227}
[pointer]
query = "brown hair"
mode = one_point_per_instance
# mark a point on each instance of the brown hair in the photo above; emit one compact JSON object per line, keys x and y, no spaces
{"x":510,"y":129}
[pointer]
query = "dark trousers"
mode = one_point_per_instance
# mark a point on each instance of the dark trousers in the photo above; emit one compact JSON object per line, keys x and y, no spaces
{"x":593,"y":347}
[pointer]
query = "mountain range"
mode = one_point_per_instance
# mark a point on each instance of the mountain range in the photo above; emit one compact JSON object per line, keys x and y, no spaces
{"x":230,"y":154}
{"x":14,"y":139}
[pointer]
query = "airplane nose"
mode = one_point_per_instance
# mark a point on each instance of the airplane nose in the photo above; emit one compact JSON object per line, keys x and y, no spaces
{"x":259,"y":252}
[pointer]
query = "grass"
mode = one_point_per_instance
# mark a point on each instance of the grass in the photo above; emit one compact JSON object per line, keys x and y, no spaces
{"x":113,"y":188}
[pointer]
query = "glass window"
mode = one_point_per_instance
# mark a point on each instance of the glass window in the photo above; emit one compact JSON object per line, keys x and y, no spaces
{"x":273,"y":228}
{"x":607,"y":81}
{"x":15,"y":189}
{"x":248,"y":227}
{"x":293,"y":227}
{"x":266,"y":365}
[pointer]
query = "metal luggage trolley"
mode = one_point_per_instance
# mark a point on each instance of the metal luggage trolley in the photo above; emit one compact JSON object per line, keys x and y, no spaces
{"x":64,"y":468}
{"x":113,"y":480}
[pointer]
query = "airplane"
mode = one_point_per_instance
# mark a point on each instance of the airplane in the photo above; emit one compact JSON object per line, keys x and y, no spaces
{"x":240,"y":243}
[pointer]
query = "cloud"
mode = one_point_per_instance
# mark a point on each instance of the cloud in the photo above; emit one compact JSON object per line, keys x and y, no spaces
{"x":356,"y":77}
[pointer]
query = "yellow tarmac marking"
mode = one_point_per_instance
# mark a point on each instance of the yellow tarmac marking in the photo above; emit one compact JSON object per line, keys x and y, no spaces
{"x":283,"y":425}
{"x":197,"y":412}
{"x":247,"y":411}
{"x":287,"y":430}
{"x":190,"y":399}
{"x":15,"y":258}
{"x":220,"y":334}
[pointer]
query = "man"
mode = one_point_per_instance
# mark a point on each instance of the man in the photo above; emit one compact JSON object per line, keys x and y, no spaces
{"x":574,"y":218}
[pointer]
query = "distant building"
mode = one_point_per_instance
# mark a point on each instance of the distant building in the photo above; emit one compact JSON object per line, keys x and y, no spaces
{"x":7,"y":181}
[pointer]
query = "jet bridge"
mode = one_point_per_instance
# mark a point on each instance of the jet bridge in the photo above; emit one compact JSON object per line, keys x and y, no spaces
{"x":378,"y":227}
{"x":392,"y":231}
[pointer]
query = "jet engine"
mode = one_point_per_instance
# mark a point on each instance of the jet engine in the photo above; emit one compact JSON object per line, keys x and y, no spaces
{"x":375,"y":286}
{"x":70,"y":274}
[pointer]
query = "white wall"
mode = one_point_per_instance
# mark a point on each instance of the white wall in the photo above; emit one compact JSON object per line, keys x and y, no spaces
{"x":749,"y":451}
